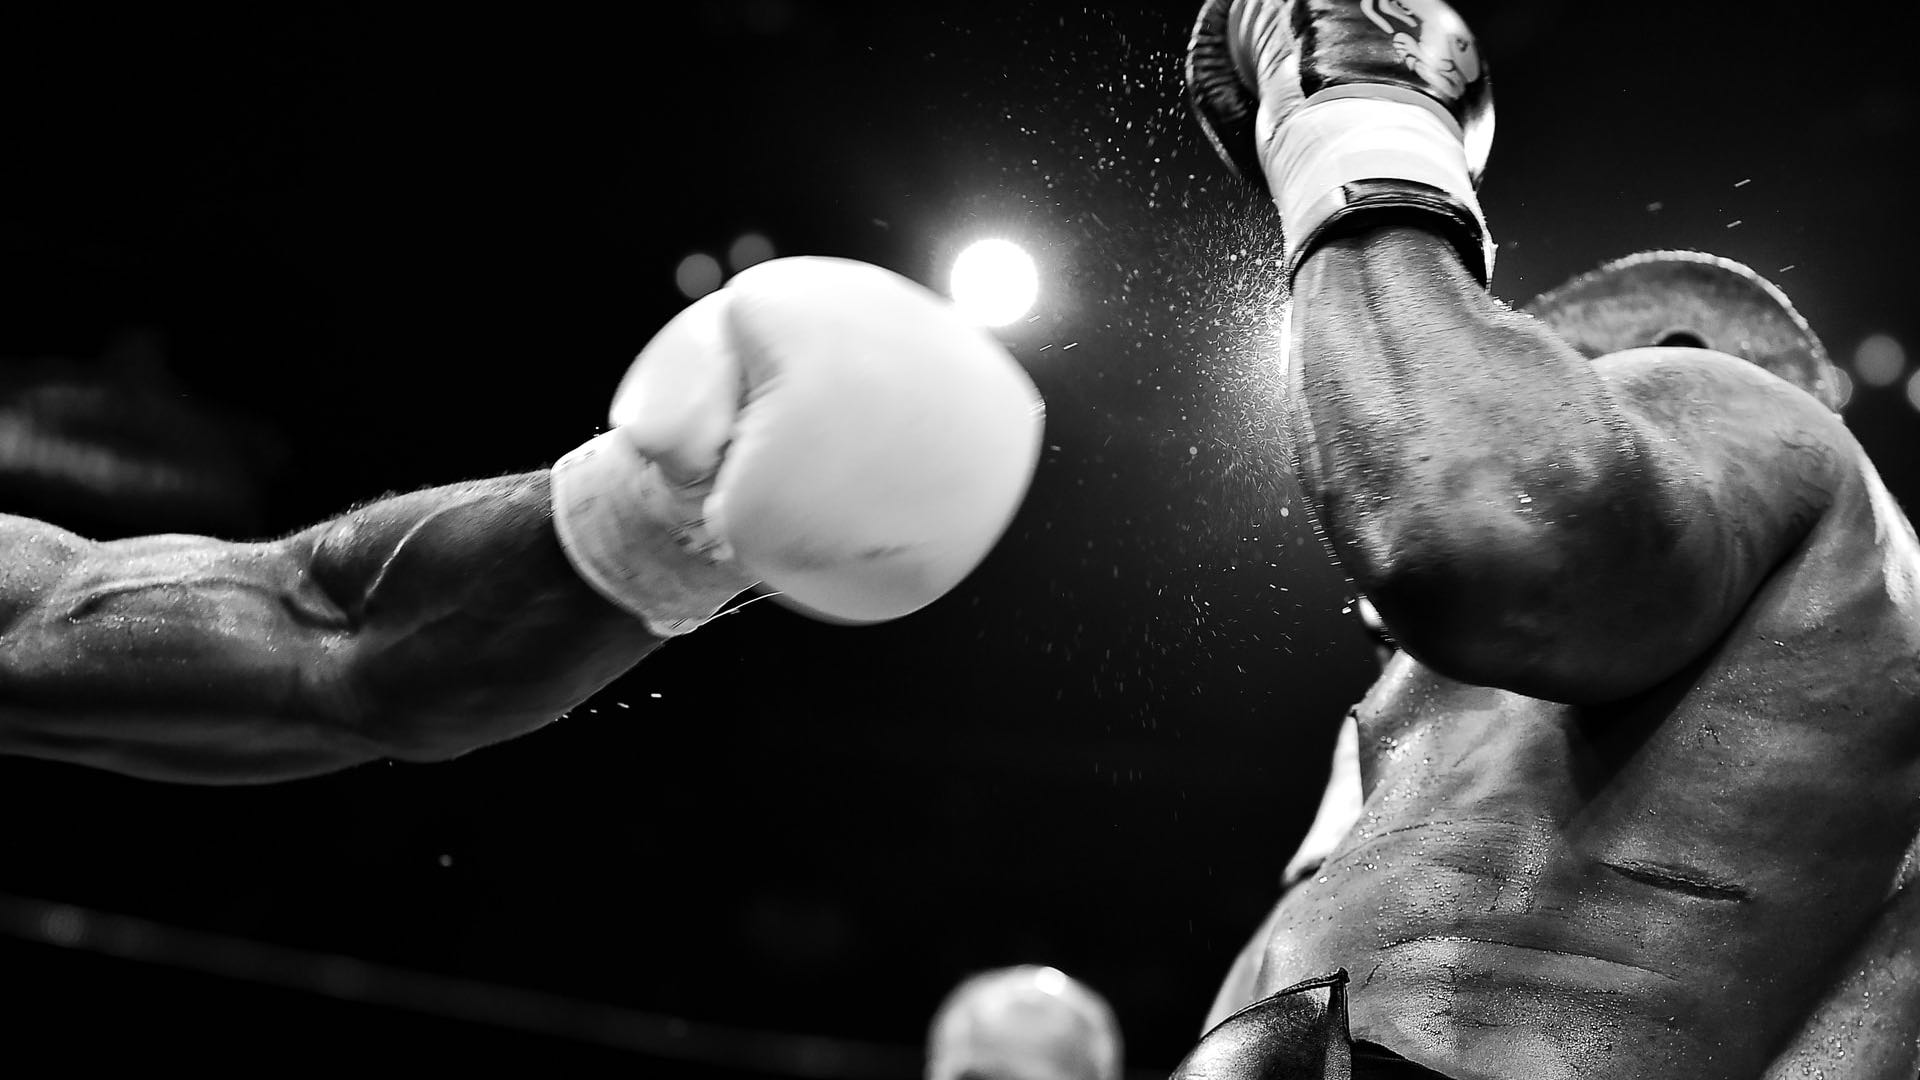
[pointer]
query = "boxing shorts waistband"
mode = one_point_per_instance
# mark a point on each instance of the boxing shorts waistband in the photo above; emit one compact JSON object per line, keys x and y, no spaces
{"x":1293,"y":1035}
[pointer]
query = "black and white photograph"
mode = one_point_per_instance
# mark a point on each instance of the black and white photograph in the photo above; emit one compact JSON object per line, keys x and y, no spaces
{"x":816,"y":540}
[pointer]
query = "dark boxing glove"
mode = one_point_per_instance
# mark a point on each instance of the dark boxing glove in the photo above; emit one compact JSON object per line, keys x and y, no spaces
{"x":1352,"y":111}
{"x":1287,"y":1036}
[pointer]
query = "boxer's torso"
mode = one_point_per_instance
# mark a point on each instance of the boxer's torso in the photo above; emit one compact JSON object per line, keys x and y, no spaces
{"x":1703,"y":881}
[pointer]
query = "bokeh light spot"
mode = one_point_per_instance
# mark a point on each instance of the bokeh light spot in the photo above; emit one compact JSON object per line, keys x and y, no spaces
{"x":994,"y":282}
{"x":697,"y":275}
{"x":748,"y":249}
{"x":1913,"y":390}
{"x":1879,"y":360}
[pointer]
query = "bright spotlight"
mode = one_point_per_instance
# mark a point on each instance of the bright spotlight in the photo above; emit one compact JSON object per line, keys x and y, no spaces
{"x":994,"y":282}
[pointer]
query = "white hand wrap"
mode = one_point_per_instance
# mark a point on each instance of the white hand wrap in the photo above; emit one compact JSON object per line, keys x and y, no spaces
{"x":639,"y":542}
{"x":1336,"y":140}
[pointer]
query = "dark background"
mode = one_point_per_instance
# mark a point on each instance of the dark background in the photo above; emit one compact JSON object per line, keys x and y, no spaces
{"x":423,"y":248}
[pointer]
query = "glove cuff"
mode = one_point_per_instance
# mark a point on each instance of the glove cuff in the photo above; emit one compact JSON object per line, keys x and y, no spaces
{"x":1345,"y":154}
{"x":637,"y":539}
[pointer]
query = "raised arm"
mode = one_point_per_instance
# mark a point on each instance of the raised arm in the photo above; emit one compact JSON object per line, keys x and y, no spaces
{"x":417,"y":627}
{"x":1521,"y":517}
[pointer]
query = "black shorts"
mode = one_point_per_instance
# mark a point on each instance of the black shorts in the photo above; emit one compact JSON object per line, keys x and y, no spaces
{"x":1292,"y":1034}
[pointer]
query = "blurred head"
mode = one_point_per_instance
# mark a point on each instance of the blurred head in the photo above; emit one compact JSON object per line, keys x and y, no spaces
{"x":1690,"y":298}
{"x":1023,"y":1023}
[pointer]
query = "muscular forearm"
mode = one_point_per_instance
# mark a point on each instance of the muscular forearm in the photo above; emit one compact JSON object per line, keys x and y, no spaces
{"x":1472,"y":473}
{"x":418,"y":626}
{"x":468,"y":625}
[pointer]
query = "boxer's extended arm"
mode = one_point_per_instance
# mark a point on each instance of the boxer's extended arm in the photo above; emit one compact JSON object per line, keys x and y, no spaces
{"x":417,"y":627}
{"x":1520,"y":516}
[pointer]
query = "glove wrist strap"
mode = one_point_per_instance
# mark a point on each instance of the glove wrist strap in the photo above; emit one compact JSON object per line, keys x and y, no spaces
{"x":637,"y":540}
{"x":1322,"y":159}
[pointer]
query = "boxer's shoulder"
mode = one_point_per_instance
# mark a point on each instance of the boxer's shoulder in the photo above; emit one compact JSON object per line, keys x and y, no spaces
{"x":1738,"y":422}
{"x":1705,"y":387}
{"x":1765,"y":440}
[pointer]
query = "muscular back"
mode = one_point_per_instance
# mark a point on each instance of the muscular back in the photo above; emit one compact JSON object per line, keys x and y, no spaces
{"x":1708,"y":878}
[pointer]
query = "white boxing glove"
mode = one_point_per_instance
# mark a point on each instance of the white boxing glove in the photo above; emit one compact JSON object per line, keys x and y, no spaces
{"x":820,"y":425}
